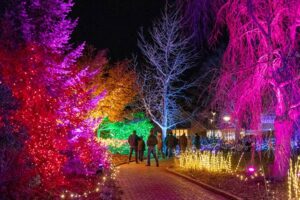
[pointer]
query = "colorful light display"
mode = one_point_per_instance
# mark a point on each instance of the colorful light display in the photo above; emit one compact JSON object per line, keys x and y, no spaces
{"x":251,"y":169}
{"x":259,"y":75}
{"x":160,"y":80}
{"x":55,"y":101}
{"x":294,"y":180}
{"x":23,"y":71}
{"x":98,"y":190}
{"x":12,"y":138}
{"x":115,"y":134}
{"x":119,"y":83}
{"x":53,"y":127}
{"x":207,"y":160}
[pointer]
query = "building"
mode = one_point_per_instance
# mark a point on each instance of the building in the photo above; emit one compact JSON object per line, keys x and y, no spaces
{"x":180,"y":129}
{"x":227,"y":131}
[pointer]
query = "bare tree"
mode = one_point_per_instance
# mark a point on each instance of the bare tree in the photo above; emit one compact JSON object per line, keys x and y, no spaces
{"x":168,"y":57}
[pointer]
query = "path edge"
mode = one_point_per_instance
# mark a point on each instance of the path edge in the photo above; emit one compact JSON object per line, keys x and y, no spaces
{"x":204,"y":185}
{"x":123,"y":163}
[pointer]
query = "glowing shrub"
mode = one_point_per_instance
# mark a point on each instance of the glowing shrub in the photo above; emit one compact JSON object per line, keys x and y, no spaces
{"x":115,"y":134}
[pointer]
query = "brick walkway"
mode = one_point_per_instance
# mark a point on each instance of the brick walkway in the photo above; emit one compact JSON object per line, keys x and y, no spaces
{"x":139,"y":182}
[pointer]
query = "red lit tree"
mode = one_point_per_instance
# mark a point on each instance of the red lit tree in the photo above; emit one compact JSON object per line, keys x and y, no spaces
{"x":260,"y":72}
{"x":55,"y":124}
{"x":12,"y":137}
{"x":54,"y":102}
{"x":23,"y":71}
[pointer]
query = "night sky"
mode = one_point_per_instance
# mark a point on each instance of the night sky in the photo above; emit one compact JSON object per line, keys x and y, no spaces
{"x":113,"y":24}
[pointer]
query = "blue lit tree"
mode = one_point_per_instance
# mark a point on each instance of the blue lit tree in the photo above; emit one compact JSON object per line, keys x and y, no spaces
{"x":168,"y":56}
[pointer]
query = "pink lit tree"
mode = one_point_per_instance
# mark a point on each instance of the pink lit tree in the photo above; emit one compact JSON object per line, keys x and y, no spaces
{"x":260,"y":71}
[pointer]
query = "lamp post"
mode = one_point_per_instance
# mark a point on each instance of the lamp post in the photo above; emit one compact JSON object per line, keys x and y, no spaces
{"x":226,"y":118}
{"x":212,"y":128}
{"x":212,"y":123}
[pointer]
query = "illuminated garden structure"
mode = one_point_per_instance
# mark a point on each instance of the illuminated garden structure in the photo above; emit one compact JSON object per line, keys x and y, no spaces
{"x":115,"y":134}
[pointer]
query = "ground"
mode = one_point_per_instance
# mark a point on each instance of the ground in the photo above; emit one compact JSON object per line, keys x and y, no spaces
{"x":147,"y":183}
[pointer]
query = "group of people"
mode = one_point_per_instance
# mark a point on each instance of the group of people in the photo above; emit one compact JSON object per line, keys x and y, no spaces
{"x":171,"y":143}
{"x":137,"y":145}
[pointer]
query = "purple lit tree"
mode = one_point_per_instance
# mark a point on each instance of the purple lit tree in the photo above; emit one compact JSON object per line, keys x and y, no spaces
{"x":199,"y":16}
{"x":260,"y":72}
{"x":168,"y":56}
{"x":47,"y":23}
{"x":43,"y":23}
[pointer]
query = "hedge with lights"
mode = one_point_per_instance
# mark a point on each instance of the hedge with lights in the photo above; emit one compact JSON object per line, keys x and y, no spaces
{"x":115,"y":134}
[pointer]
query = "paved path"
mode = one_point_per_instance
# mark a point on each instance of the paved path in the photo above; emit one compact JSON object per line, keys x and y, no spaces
{"x":139,"y":182}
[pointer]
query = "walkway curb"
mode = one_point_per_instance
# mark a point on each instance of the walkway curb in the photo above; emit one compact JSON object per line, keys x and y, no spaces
{"x":122,"y":163}
{"x":204,"y":185}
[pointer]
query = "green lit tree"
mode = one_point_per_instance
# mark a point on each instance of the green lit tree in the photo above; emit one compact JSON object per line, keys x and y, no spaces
{"x":115,"y":134}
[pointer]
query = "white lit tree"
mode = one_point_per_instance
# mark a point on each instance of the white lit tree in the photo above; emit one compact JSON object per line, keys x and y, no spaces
{"x":168,"y":57}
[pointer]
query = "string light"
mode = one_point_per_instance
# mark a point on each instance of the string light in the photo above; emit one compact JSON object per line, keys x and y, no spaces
{"x":51,"y":116}
{"x":110,"y":175}
{"x":209,"y":161}
{"x":119,"y":81}
{"x":118,"y":132}
{"x":237,"y":166}
{"x":294,"y":179}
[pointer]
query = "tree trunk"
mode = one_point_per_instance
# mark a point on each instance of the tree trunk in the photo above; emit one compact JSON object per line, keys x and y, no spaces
{"x":165,"y":114}
{"x":164,"y":133}
{"x":283,"y":134}
{"x":237,"y":133}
